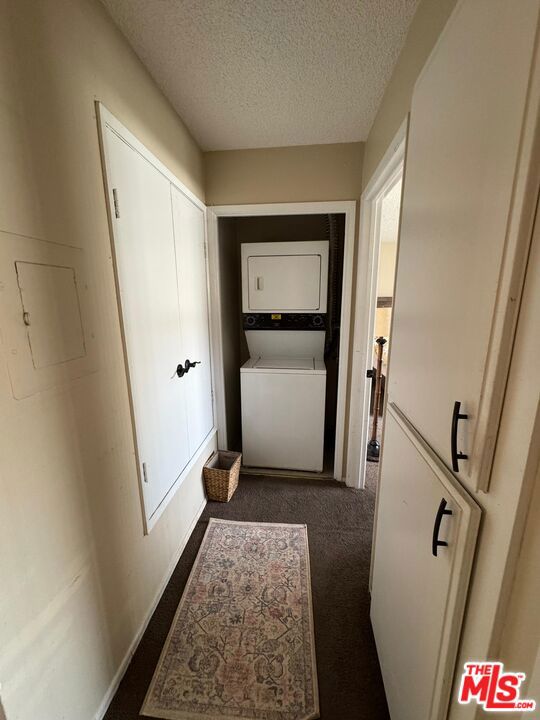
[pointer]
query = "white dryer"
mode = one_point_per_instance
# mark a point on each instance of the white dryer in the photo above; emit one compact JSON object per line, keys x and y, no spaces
{"x":284,"y":277}
{"x":283,"y":384}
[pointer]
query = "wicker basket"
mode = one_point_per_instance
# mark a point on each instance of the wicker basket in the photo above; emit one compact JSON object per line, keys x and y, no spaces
{"x":221,"y":474}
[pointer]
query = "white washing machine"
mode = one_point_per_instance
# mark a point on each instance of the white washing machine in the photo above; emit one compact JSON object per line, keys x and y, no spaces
{"x":283,"y":384}
{"x":283,"y":403}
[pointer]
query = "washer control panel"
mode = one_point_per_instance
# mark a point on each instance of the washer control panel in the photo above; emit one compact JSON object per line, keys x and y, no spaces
{"x":284,"y":321}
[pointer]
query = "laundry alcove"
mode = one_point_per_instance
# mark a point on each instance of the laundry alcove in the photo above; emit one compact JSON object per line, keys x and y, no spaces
{"x":233,"y":232}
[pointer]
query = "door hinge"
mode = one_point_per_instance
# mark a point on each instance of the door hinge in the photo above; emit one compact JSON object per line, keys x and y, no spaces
{"x":205,"y":250}
{"x":116,"y":206}
{"x":145,"y":476}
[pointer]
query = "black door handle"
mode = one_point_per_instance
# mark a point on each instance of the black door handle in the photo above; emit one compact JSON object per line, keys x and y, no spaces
{"x":190,"y":364}
{"x":456,"y":417}
{"x":435,"y":542}
{"x":182,"y":370}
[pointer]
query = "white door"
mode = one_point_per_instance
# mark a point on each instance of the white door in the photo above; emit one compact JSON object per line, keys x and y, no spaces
{"x":462,"y":202}
{"x":146,"y":273}
{"x":189,"y":234}
{"x":418,"y":598}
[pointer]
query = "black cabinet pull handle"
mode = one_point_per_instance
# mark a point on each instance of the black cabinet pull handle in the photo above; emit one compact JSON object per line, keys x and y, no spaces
{"x":456,"y":417}
{"x":435,"y":542}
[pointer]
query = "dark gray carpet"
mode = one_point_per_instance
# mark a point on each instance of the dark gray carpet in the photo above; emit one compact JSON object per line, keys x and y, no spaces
{"x":339,"y":522}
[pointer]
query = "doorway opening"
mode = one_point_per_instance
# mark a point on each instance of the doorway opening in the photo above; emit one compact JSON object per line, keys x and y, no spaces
{"x":386,"y":237}
{"x":226,"y":239}
{"x":378,"y":252}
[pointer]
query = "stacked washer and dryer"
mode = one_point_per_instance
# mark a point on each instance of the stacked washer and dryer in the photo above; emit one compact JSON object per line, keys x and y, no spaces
{"x":283,"y":384}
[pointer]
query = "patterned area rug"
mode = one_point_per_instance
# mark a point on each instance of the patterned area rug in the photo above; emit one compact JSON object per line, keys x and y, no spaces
{"x":241,"y":644}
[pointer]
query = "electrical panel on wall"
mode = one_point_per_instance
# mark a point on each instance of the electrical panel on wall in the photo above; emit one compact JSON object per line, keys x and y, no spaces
{"x":51,"y":312}
{"x":46,"y":331}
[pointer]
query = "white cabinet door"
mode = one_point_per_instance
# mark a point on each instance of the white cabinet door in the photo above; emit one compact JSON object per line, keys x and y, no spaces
{"x":460,"y":230}
{"x":189,"y":234}
{"x":418,"y":599}
{"x":146,"y":274}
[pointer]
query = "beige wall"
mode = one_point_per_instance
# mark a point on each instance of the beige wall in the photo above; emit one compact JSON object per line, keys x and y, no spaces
{"x":289,"y":174}
{"x":78,"y":577}
{"x":425,"y":28}
{"x":387,"y":266}
{"x":385,"y":287}
{"x":520,"y":649}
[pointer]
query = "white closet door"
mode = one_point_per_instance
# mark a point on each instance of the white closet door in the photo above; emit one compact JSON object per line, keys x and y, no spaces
{"x":417,"y":598}
{"x":146,"y":273}
{"x":460,"y":219}
{"x":189,"y":233}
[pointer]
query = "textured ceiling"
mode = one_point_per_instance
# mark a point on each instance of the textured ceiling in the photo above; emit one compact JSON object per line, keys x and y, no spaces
{"x":268,"y":73}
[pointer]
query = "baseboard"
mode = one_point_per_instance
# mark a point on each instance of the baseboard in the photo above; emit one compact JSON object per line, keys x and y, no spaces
{"x":276,"y":472}
{"x":113,"y":687}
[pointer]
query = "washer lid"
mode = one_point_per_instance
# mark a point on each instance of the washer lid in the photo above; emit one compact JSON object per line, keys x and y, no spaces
{"x":284,"y":363}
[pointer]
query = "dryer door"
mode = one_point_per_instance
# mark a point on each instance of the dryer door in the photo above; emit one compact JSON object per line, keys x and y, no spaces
{"x":285,"y":277}
{"x":284,"y":282}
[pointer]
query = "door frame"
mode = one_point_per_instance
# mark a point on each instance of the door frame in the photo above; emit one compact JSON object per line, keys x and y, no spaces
{"x":344,"y":207}
{"x":367,"y":266}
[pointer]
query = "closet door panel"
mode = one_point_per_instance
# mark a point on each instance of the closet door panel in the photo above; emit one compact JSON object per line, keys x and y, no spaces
{"x":424,"y":544}
{"x":189,"y":233}
{"x":146,"y":275}
{"x":464,"y":139}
